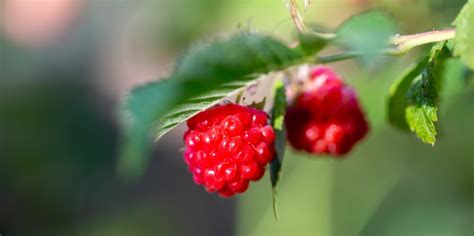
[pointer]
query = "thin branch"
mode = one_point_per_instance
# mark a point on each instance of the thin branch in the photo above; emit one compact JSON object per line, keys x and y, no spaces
{"x":405,"y":43}
{"x":338,"y":57}
{"x":296,"y":16}
{"x":400,"y":45}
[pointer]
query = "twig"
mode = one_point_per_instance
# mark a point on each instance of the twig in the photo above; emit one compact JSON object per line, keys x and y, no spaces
{"x":399,"y":45}
{"x":403,"y":44}
{"x":296,"y":16}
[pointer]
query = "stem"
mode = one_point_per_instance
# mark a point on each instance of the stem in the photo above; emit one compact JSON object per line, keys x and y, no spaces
{"x":338,"y":57}
{"x":400,"y":45}
{"x":403,"y":44}
{"x":296,"y":16}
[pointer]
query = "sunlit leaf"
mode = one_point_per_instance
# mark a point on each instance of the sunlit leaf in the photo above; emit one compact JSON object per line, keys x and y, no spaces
{"x":421,"y":113}
{"x":398,"y":100}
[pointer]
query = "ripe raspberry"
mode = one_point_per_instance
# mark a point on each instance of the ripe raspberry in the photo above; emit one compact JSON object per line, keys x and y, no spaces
{"x":227,"y":146}
{"x":326,"y":118}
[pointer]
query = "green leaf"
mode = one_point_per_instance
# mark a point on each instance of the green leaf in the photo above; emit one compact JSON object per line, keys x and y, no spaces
{"x":398,"y":100}
{"x":367,"y":33}
{"x":236,"y":57}
{"x":464,"y":40}
{"x":412,"y":102}
{"x":312,"y":42}
{"x":139,"y":109}
{"x":421,"y":113}
{"x":203,"y":71}
{"x":278,"y":115}
{"x":191,"y":107}
{"x":438,"y":56}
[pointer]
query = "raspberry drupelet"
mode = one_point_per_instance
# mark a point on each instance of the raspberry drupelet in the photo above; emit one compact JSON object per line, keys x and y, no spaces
{"x":227,"y":146}
{"x":326,"y":118}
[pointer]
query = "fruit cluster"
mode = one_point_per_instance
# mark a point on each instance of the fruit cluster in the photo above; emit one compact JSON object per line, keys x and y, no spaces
{"x":227,"y":146}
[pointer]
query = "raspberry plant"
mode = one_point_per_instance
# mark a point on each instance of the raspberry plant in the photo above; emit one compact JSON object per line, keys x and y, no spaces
{"x":209,"y":73}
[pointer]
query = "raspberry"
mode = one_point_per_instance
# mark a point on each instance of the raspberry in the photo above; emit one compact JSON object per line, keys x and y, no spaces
{"x":326,"y":118}
{"x":227,"y":146}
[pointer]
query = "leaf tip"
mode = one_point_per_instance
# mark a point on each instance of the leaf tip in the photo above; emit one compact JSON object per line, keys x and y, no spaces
{"x":274,"y":204}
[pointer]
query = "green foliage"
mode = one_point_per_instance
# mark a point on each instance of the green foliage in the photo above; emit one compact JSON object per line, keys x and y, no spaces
{"x":278,"y":115}
{"x":142,"y":105}
{"x":412,"y":102}
{"x":464,"y":41}
{"x":311,"y":43}
{"x":398,"y":100}
{"x":367,"y":33}
{"x":191,"y":107}
{"x":209,"y":72}
{"x":235,"y":57}
{"x":201,"y":78}
{"x":421,"y":113}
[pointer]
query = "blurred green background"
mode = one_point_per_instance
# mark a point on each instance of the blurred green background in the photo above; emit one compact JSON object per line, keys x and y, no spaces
{"x":66,"y":64}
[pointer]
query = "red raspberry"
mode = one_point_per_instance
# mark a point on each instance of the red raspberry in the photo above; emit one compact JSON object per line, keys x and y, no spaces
{"x":326,"y":118}
{"x":227,"y":146}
